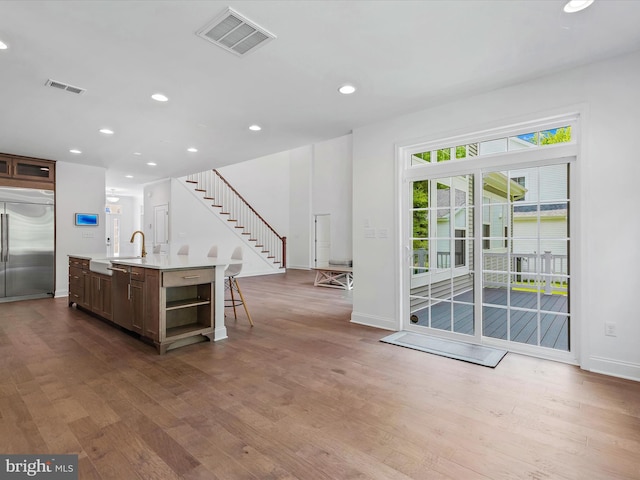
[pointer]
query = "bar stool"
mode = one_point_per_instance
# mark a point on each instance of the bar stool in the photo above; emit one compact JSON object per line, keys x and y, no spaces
{"x":232,"y":283}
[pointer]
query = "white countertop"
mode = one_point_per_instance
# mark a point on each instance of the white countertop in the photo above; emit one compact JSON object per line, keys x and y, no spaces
{"x":174,"y":262}
{"x":161,"y":262}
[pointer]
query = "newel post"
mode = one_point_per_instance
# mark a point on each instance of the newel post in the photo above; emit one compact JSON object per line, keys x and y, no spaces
{"x":284,"y":252}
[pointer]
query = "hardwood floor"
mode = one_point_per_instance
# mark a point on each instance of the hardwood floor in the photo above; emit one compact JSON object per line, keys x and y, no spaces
{"x":304,"y":394}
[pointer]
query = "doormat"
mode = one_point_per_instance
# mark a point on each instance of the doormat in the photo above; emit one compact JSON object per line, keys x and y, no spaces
{"x":467,"y":352}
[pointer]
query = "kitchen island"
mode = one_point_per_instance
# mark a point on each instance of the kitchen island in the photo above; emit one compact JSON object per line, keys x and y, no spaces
{"x":168,"y":300}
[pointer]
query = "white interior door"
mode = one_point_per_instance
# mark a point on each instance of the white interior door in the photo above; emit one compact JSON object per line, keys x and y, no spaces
{"x":161,"y":226}
{"x":322,"y":240}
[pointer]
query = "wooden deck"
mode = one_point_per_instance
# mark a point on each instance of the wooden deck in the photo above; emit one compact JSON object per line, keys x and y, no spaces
{"x":554,"y":319}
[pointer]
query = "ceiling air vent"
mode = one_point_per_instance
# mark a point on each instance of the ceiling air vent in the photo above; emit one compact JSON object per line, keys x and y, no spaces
{"x":64,"y":86}
{"x":235,"y":33}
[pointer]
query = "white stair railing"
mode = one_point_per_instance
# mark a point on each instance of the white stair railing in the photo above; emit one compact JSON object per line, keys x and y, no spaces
{"x":223,"y":196}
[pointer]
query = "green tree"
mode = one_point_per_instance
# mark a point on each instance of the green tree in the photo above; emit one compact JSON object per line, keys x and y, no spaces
{"x":561,"y":135}
{"x":420,"y":217}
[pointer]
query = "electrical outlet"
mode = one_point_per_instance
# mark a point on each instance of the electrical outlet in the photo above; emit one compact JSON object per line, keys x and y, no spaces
{"x":610,"y":329}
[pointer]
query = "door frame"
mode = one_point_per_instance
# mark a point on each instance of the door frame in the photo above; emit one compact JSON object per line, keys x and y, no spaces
{"x":538,"y":157}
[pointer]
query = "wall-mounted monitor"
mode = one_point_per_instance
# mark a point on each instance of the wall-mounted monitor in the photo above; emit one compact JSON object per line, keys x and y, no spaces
{"x":87,"y":219}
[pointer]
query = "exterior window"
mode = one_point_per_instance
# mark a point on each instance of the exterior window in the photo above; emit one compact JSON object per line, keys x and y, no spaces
{"x":497,"y":145}
{"x":519,"y":180}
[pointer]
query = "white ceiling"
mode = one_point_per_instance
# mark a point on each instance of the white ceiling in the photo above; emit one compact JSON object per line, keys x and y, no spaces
{"x":402,"y":55}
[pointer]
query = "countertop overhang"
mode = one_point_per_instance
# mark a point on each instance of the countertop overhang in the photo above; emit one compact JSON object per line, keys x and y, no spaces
{"x":99,"y":263}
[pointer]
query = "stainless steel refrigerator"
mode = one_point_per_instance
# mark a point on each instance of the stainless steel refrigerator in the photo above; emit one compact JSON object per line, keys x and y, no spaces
{"x":27,"y":243}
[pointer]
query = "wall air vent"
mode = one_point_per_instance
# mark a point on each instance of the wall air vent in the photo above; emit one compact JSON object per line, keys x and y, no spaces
{"x":235,"y":33}
{"x":64,"y":86}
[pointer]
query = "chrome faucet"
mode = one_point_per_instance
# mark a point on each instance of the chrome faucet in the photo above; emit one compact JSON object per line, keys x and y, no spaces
{"x":144,"y":251}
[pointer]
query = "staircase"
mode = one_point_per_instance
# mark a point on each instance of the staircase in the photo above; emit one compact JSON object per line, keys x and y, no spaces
{"x":223,"y":198}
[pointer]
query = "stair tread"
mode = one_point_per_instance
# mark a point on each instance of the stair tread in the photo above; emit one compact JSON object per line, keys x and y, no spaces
{"x":260,"y":247}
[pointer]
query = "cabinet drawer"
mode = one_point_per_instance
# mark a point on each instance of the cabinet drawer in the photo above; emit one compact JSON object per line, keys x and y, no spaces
{"x":76,"y":284}
{"x":79,"y":263}
{"x":137,"y":274}
{"x":187,"y":277}
{"x":75,"y":274}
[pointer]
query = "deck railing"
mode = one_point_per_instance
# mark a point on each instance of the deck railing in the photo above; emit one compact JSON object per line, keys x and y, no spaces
{"x":547,"y":272}
{"x":216,"y":189}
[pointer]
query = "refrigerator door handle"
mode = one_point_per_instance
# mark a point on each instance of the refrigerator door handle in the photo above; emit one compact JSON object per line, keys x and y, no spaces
{"x":4,"y":256}
{"x":5,"y":230}
{"x":3,"y":238}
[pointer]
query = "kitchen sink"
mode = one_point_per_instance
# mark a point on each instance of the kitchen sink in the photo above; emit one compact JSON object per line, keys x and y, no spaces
{"x":100,"y":265}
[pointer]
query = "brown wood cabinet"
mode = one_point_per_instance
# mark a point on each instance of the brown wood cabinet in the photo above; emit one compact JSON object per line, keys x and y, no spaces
{"x":79,"y":282}
{"x":89,"y":290}
{"x":121,"y":296}
{"x":151,"y":307}
{"x":101,"y":301}
{"x":166,"y":308}
{"x":26,"y":172}
{"x":135,"y":299}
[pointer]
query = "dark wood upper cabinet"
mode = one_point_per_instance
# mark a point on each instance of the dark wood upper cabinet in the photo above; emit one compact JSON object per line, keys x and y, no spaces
{"x":16,"y":171}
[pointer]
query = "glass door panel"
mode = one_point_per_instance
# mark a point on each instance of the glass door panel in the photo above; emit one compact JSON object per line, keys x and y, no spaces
{"x":525,"y":274}
{"x":442,"y":268}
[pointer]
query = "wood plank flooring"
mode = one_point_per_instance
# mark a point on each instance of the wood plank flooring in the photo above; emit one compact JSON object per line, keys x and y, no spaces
{"x":304,"y":394}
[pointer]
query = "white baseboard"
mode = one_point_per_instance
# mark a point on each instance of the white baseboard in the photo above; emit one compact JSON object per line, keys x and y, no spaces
{"x":61,"y":293}
{"x":615,"y":368}
{"x":374,"y":321}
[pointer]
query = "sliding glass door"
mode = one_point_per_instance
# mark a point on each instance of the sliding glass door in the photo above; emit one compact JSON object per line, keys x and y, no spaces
{"x":442,"y":270}
{"x":490,"y":251}
{"x":525,"y":256}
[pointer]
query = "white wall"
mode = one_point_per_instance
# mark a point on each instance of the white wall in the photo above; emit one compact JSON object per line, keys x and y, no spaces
{"x":264,"y":184}
{"x":79,"y":188}
{"x":289,"y":188}
{"x":299,"y":240}
{"x":332,"y":191}
{"x":608,"y":171}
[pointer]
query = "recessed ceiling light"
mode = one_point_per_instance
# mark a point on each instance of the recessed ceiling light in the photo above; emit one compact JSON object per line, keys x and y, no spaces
{"x":576,"y":5}
{"x":159,"y":97}
{"x":347,"y":89}
{"x":255,"y":128}
{"x":3,"y":46}
{"x":128,"y":176}
{"x":152,"y":164}
{"x":106,"y":131}
{"x":76,"y":151}
{"x":137,"y":153}
{"x":192,"y":149}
